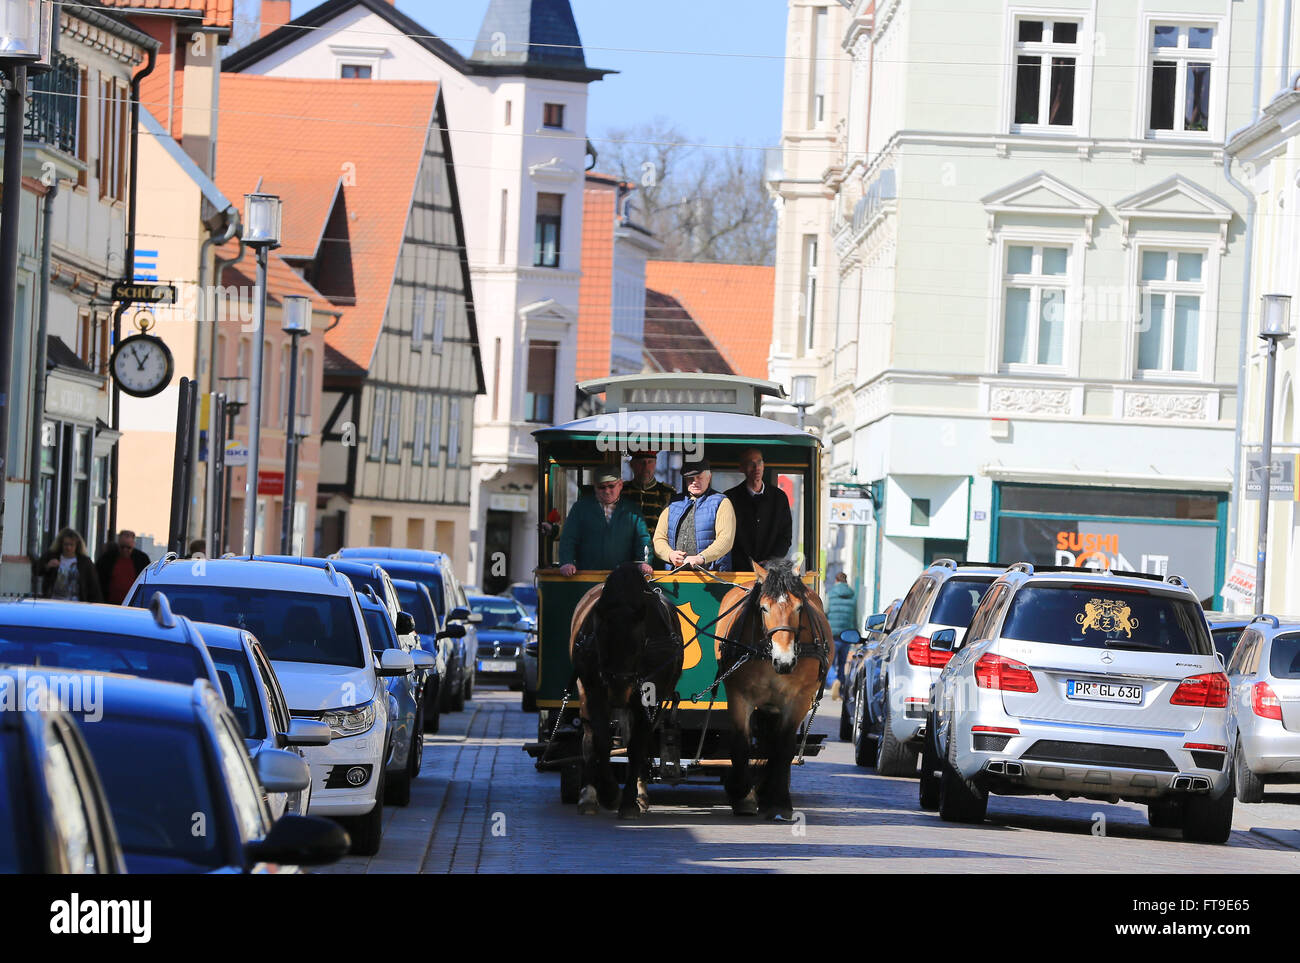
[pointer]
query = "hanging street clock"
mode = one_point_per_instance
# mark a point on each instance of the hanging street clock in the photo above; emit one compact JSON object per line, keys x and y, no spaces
{"x":142,"y":364}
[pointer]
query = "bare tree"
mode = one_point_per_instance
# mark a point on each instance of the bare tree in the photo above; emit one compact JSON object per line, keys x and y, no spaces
{"x":703,"y":203}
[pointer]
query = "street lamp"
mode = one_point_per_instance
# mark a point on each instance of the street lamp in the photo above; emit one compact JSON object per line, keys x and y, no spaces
{"x":26,"y":32}
{"x":261,"y":233}
{"x":1274,"y":326}
{"x":236,"y":392}
{"x":804,"y":392}
{"x":295,"y":321}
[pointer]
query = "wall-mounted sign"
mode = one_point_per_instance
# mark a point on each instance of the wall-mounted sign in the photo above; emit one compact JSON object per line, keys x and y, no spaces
{"x":1281,"y":484}
{"x":270,"y":483}
{"x":503,"y":502}
{"x":144,"y":292}
{"x":236,"y":454}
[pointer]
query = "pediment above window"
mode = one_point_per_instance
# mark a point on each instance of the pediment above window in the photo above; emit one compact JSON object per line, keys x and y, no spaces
{"x":1175,"y":199}
{"x":1040,"y":194}
{"x":553,"y":170}
{"x":546,"y":313}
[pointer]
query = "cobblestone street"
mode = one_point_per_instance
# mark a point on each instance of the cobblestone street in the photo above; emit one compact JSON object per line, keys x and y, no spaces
{"x":480,"y":806}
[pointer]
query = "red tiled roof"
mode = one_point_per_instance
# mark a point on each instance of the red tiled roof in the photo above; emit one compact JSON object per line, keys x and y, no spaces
{"x":216,"y":13}
{"x":674,"y":342}
{"x":732,"y":303}
{"x":596,"y":291}
{"x":302,"y":139}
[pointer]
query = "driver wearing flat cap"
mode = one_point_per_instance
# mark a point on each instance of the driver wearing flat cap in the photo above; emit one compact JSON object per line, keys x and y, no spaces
{"x":699,"y":526}
{"x":603,"y":532}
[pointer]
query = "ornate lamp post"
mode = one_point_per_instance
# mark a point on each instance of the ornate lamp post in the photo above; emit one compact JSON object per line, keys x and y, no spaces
{"x":295,"y":322}
{"x":262,"y":214}
{"x":1274,"y":326}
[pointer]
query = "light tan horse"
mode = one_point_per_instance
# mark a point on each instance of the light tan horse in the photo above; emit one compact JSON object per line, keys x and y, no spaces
{"x":783,"y":633}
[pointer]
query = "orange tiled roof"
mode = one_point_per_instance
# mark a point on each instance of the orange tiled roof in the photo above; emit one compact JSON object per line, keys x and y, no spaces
{"x":596,"y":292}
{"x":216,"y":13}
{"x":732,"y":304}
{"x":302,"y":139}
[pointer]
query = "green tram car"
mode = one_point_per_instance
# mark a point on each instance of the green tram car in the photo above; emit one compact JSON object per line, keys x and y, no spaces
{"x":691,"y":416}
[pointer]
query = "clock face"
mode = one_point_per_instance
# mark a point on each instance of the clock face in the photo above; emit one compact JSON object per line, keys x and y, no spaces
{"x":142,"y":365}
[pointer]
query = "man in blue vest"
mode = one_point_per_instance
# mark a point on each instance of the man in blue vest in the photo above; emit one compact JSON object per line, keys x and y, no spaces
{"x":601,"y":531}
{"x":698,"y":526}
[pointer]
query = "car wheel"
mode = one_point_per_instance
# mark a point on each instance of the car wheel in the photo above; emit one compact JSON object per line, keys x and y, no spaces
{"x":1165,"y":814}
{"x":469,"y":689}
{"x":1250,"y":788}
{"x":893,"y":758}
{"x":458,"y":699}
{"x":433,"y":710}
{"x":864,"y":746}
{"x":416,"y":757}
{"x":529,"y":701}
{"x":846,"y":723}
{"x":368,"y":830}
{"x":1207,"y":819}
{"x":961,"y":800}
{"x":930,"y":770}
{"x":398,"y":790}
{"x":570,"y":783}
{"x":445,"y":690}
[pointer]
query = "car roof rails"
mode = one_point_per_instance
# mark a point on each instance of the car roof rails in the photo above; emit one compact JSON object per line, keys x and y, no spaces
{"x":1176,"y":580}
{"x":1265,"y":617}
{"x":161,"y":610}
{"x":374,"y":597}
{"x":1026,"y":567}
{"x":944,"y":563}
{"x":158,"y":565}
{"x":332,"y":572}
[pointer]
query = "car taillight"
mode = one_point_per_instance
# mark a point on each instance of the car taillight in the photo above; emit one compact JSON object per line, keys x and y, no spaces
{"x":1264,"y":701}
{"x":1209,"y":691}
{"x":920,"y":653}
{"x":999,"y":672}
{"x":1003,"y":730}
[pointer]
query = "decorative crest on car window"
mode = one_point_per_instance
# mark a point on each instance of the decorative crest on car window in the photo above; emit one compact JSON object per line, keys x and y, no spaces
{"x":1107,"y":615}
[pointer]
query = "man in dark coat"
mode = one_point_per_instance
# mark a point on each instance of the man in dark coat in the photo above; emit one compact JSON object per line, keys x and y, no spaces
{"x":763,"y":520}
{"x":118,"y":565}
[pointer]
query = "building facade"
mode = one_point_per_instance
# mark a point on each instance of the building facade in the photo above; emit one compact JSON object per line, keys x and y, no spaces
{"x":1016,"y":282}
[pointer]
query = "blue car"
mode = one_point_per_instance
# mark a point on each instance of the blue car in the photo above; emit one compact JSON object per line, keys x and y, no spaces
{"x":415,"y":599}
{"x":502,"y":634}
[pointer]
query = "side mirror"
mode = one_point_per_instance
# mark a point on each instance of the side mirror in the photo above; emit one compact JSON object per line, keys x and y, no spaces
{"x":459,"y":614}
{"x":523,"y":626}
{"x":453,"y":631}
{"x":405,"y":623}
{"x":395,"y":662}
{"x":944,"y":640}
{"x":423,"y":660}
{"x":279,"y":770}
{"x":530,"y":648}
{"x":876,"y":622}
{"x":300,"y":841}
{"x":308,"y":732}
{"x":850,"y":636}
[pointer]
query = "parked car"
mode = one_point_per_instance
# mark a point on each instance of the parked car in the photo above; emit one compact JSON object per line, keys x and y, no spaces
{"x":1075,"y":682}
{"x":502,"y":633}
{"x":308,"y":621}
{"x":528,"y":702}
{"x":435,"y":571}
{"x":855,"y":682}
{"x":1264,"y":714}
{"x":152,"y":644}
{"x":416,"y":600}
{"x":904,"y":667}
{"x":363,"y":575}
{"x":253,"y":694}
{"x":1225,"y":629}
{"x":407,"y":696}
{"x":184,"y":794}
{"x":54,"y":815}
{"x":525,"y":593}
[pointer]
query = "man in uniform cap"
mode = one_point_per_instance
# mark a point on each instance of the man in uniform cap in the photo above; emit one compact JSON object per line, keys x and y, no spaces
{"x":647,"y":493}
{"x":602,"y":531}
{"x":699,"y":525}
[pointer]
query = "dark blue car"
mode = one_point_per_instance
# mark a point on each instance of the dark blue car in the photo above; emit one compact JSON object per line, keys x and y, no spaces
{"x":500,"y":655}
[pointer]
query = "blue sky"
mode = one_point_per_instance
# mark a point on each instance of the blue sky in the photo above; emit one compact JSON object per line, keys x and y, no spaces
{"x":712,"y":99}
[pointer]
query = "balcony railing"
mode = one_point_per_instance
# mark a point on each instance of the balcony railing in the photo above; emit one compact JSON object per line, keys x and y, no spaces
{"x":52,"y":106}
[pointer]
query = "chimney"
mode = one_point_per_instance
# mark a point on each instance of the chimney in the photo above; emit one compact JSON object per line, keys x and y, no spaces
{"x":275,"y":14}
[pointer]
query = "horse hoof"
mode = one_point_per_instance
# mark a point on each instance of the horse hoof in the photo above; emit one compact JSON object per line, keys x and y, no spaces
{"x":630,"y":812}
{"x":746,"y":807}
{"x":588,"y":805}
{"x":779,"y":815}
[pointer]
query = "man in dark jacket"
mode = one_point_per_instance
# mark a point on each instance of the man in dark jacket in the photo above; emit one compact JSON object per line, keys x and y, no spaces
{"x":602,"y":532}
{"x":763,"y":521}
{"x":118,"y":565}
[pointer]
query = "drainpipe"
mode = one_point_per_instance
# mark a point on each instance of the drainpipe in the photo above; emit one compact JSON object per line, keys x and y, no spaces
{"x":150,"y":64}
{"x":38,"y":391}
{"x":1285,"y":68}
{"x":234,"y":228}
{"x":1244,"y":341}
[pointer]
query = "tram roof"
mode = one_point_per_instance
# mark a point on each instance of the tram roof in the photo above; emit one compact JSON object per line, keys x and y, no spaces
{"x":661,"y":430}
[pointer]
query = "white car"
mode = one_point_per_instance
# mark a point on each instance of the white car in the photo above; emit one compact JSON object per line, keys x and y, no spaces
{"x":1099,"y":685}
{"x":310,"y":625}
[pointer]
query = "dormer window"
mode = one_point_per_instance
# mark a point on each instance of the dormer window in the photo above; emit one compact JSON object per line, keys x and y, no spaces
{"x":553,"y":115}
{"x":356,"y":71}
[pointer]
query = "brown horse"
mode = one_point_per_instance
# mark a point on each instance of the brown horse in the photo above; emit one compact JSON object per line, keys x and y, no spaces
{"x":779,"y":628}
{"x":626,"y":649}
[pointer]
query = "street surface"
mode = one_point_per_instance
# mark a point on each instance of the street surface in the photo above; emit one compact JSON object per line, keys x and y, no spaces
{"x":480,"y":806}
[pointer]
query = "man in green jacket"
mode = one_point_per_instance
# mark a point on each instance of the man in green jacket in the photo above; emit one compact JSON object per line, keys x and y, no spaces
{"x":602,"y":532}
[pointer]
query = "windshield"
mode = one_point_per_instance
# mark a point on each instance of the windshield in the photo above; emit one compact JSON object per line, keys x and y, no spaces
{"x":423,"y":573}
{"x":524,"y":594}
{"x":164,"y":659}
{"x":157,"y":786}
{"x":292,"y":627}
{"x":1284,"y":663}
{"x":380,"y":629}
{"x":413,"y":600}
{"x":241,"y":694}
{"x":958,"y":600}
{"x":497,"y":612}
{"x":1101,"y":617}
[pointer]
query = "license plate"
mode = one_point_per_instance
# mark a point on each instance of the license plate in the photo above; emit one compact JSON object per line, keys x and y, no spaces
{"x":1103,"y":692}
{"x":489,"y":666}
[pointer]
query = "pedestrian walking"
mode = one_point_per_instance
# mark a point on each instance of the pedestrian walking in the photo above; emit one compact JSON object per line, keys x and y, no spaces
{"x":842,"y":613}
{"x":118,"y":565}
{"x":66,"y":571}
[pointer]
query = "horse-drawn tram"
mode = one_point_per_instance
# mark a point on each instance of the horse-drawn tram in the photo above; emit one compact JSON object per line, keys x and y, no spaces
{"x":678,"y":697}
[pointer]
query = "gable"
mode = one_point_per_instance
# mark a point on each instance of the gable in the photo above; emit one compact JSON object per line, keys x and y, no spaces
{"x":1176,"y":199}
{"x":1040,"y":193}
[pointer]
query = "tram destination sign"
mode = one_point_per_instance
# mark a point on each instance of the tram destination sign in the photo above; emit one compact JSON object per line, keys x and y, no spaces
{"x":144,"y":292}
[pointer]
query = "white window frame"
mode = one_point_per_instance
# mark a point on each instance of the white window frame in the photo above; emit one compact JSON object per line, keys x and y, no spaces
{"x":1216,"y":127}
{"x":378,"y":416}
{"x":418,"y":308}
{"x":439,"y":319}
{"x":1208,"y":247}
{"x":811,"y":257}
{"x":453,"y":433}
{"x":419,"y":438}
{"x":393,"y":432}
{"x":435,"y":431}
{"x":1076,"y":243}
{"x":1083,"y":50}
{"x":819,"y":72}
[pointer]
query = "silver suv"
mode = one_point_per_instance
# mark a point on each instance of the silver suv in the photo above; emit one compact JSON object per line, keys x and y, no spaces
{"x":1082,"y":683}
{"x":904,"y":667}
{"x":1264,"y":718}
